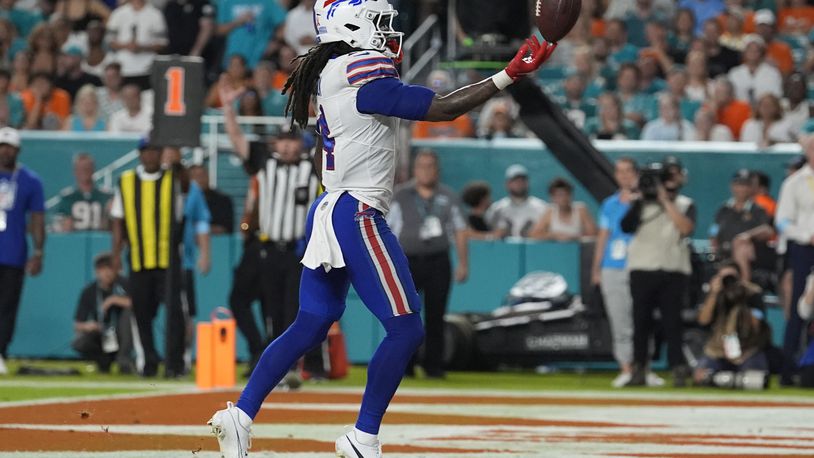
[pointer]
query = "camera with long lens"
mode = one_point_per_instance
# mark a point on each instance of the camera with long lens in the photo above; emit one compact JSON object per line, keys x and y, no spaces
{"x":650,"y":178}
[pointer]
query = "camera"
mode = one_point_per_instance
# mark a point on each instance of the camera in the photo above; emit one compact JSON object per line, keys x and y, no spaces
{"x":728,"y":281}
{"x":651,"y":177}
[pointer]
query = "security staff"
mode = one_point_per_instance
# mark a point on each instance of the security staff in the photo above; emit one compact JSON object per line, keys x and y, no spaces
{"x":270,"y":268}
{"x":146,"y":213}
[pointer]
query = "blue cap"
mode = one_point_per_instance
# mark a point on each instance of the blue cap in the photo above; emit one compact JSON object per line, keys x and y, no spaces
{"x":73,"y":50}
{"x":144,"y":143}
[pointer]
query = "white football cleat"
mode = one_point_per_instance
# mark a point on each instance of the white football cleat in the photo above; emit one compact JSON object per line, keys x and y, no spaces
{"x":348,"y":446}
{"x":3,"y":368}
{"x":233,"y":428}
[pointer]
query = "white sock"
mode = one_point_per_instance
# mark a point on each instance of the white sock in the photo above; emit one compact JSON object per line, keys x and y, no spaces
{"x":365,"y":438}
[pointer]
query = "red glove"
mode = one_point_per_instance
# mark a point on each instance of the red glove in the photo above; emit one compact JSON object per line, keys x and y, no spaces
{"x":522,"y":65}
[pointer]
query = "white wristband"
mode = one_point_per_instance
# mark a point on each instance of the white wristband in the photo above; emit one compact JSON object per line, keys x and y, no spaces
{"x":502,"y":80}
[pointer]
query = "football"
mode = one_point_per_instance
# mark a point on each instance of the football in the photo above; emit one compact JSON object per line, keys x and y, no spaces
{"x":555,"y":18}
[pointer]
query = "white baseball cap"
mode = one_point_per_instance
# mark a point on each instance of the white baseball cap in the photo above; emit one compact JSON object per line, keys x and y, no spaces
{"x":9,"y":136}
{"x":515,"y":171}
{"x":764,"y":16}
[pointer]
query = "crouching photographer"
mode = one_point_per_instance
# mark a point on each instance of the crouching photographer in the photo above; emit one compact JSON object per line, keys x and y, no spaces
{"x":660,"y":220}
{"x":734,"y":355}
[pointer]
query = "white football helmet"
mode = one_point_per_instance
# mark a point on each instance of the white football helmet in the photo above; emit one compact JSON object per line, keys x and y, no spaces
{"x":363,"y":24}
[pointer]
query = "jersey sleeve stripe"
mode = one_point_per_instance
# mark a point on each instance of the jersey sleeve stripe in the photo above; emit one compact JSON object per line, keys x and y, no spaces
{"x":372,"y":68}
{"x":372,"y":60}
{"x":373,"y":74}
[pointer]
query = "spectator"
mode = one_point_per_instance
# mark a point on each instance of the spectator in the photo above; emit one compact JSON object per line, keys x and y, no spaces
{"x":284,"y":60}
{"x":636,"y":105}
{"x":677,"y":87}
{"x":70,"y":75}
{"x":609,"y":270}
{"x":20,"y":71}
{"x":85,"y":207}
{"x":299,"y":27}
{"x":699,"y":86}
{"x":740,"y":225}
{"x":133,"y":117}
{"x":137,"y":32}
{"x":103,"y":319}
{"x":109,"y":95}
{"x":565,"y":220}
{"x":236,"y":77}
{"x":658,"y":49}
{"x":733,"y":36}
{"x":643,"y":13}
{"x":10,"y":103}
{"x":703,"y":11}
{"x":682,"y":34}
{"x":735,"y":312}
{"x":796,"y":17}
{"x":669,"y":126}
{"x":619,"y":9}
{"x":24,"y":21}
{"x":754,"y":77}
{"x":46,"y":106}
{"x":797,"y":106}
{"x":707,"y":128}
{"x":62,"y":31}
{"x":44,"y":49}
{"x":442,"y":83}
{"x":731,"y":112}
{"x":768,"y":126}
{"x":427,"y":219}
{"x":621,"y":51}
{"x":761,"y":184}
{"x":86,"y":117}
{"x":586,"y":66}
{"x":515,"y":214}
{"x":192,"y":26}
{"x":97,"y":57}
{"x":22,"y":209}
{"x":720,"y":59}
{"x":778,"y":53}
{"x":651,"y":79}
{"x":611,"y":124}
{"x":573,"y":102}
{"x":659,"y":264}
{"x":795,"y":222}
{"x":248,"y":25}
{"x":272,"y":100}
{"x":219,"y":204}
{"x":80,"y":13}
{"x":478,"y":197}
{"x":498,"y":119}
{"x":10,"y":43}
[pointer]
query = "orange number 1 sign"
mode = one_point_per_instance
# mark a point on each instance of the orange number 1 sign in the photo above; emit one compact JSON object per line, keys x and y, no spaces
{"x":175,"y":106}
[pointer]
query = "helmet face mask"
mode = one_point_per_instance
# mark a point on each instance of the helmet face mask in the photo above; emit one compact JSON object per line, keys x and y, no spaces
{"x":364,"y":24}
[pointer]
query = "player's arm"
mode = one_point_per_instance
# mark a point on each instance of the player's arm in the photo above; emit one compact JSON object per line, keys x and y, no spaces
{"x":228,"y":95}
{"x":527,"y":60}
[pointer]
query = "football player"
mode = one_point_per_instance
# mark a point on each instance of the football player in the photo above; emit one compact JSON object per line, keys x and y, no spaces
{"x":351,"y":78}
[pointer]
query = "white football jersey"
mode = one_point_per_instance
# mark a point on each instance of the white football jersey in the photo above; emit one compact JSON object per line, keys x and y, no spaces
{"x":358,"y":150}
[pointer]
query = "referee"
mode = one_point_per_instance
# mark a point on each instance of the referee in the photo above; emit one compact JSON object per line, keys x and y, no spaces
{"x":270,"y":267}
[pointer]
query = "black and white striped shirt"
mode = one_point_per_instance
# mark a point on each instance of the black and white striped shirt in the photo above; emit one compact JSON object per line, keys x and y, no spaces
{"x":284,"y":194}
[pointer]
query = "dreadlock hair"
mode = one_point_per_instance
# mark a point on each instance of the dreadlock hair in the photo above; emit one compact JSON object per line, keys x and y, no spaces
{"x":301,"y":84}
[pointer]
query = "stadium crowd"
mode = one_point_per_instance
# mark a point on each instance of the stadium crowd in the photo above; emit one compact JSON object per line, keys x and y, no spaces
{"x":692,"y":70}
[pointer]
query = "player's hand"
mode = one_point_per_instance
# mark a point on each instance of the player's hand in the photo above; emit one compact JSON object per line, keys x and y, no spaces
{"x":34,"y":265}
{"x":530,"y":57}
{"x":227,"y":93}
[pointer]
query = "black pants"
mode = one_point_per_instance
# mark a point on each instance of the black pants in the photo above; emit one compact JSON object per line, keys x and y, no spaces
{"x":269,"y":272}
{"x":89,"y":344}
{"x":801,"y":262}
{"x":667,"y":292}
{"x":432,"y":275}
{"x":11,"y":288}
{"x":148,"y":290}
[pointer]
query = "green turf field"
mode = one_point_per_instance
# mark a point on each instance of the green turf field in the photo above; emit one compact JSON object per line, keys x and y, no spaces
{"x":91,"y":383}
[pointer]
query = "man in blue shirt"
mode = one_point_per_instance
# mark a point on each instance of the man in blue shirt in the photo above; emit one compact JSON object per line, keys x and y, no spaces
{"x":248,"y":26}
{"x":21,"y":198}
{"x":610,"y":268}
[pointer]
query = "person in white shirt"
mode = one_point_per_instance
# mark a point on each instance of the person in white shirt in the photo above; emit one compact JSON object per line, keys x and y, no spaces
{"x":516,"y":214}
{"x":767,"y":126}
{"x":796,"y":104}
{"x":754,"y":77}
{"x":299,"y":27}
{"x":137,"y":32}
{"x":707,"y":128}
{"x":134,"y":117}
{"x":795,"y":221}
{"x":669,"y":126}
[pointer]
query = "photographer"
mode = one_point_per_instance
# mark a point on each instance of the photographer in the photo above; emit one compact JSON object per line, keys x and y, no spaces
{"x":734,"y":310}
{"x":660,"y":220}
